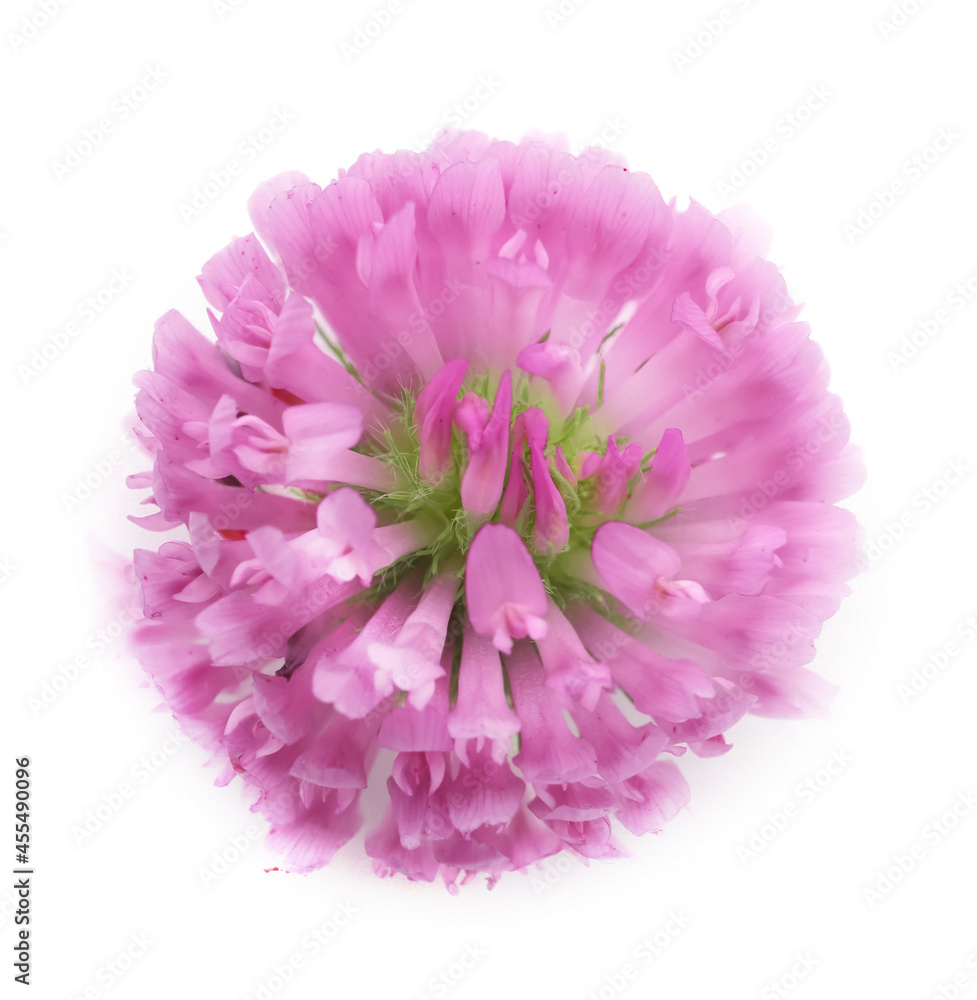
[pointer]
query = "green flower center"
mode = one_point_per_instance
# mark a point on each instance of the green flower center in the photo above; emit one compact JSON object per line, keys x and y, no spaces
{"x":438,"y":503}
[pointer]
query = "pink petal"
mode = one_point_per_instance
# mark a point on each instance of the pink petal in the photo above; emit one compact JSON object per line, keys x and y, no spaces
{"x":662,"y":487}
{"x":481,"y":710}
{"x":549,"y":751}
{"x":484,"y":477}
{"x":653,"y":797}
{"x":407,"y":728}
{"x":631,"y":561}
{"x":467,"y":206}
{"x":559,"y":365}
{"x":569,"y":668}
{"x":222,"y":277}
{"x":551,"y":531}
{"x":504,"y":593}
{"x":485,"y":792}
{"x":432,"y":419}
{"x":317,"y":433}
{"x":689,"y":315}
{"x":340,"y":755}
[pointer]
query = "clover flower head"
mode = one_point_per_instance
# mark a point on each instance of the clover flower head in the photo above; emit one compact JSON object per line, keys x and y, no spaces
{"x":500,"y":465}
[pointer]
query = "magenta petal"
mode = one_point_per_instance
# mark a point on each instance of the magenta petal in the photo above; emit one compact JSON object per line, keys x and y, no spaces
{"x":574,"y":802}
{"x":418,"y":729}
{"x":504,"y":593}
{"x":484,"y":792}
{"x":313,"y":837}
{"x":609,"y":226}
{"x":417,"y":813}
{"x":185,"y":675}
{"x":393,"y":295}
{"x":789,"y":692}
{"x":467,"y":206}
{"x":346,"y":678}
{"x":590,"y":838}
{"x":568,"y":666}
{"x":516,"y":494}
{"x":613,"y":474}
{"x":340,"y":755}
{"x":391,"y":857}
{"x":222,"y":277}
{"x":524,"y":841}
{"x":666,"y":689}
{"x":345,"y":525}
{"x":715,"y":746}
{"x":742,"y":566}
{"x":717,"y":712}
{"x":412,"y":662}
{"x":686,"y":312}
{"x":260,"y":202}
{"x":622,"y":749}
{"x":552,"y":529}
{"x":432,"y":418}
{"x":296,"y":363}
{"x":317,"y":433}
{"x":549,"y":751}
{"x":285,"y":705}
{"x":484,"y":478}
{"x":559,"y":365}
{"x":662,"y":487}
{"x":481,"y":710}
{"x":631,"y":561}
{"x":653,"y":797}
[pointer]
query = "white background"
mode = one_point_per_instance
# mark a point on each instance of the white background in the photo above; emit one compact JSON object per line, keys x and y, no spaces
{"x":750,"y":926}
